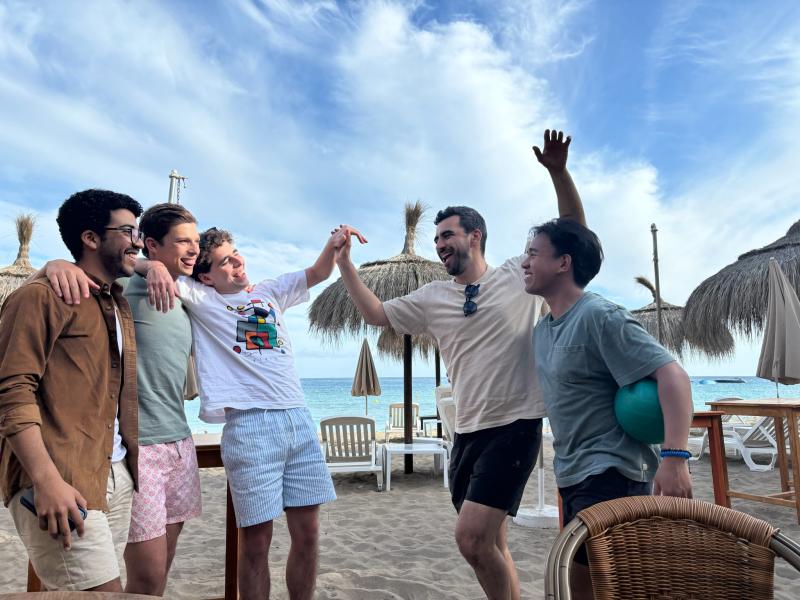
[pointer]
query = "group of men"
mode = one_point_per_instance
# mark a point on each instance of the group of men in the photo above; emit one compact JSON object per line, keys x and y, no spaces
{"x":93,"y":362}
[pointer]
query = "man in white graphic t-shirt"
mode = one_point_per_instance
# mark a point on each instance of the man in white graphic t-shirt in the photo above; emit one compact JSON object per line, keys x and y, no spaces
{"x":248,"y":380}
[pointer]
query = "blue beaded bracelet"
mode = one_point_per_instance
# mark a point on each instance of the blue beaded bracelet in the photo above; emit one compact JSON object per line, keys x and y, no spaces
{"x":676,"y":452}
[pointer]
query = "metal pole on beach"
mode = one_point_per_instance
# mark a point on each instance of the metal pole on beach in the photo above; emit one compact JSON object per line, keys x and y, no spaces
{"x":438,"y":366}
{"x":175,"y":180}
{"x":407,"y":412}
{"x":659,"y":324}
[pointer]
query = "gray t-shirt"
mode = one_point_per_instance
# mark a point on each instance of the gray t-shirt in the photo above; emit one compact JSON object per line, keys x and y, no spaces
{"x":163,"y":345}
{"x":582,"y":358}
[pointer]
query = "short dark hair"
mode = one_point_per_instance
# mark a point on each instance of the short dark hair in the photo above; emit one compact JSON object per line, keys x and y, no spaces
{"x":160,"y":218}
{"x":570,"y":237}
{"x":90,"y":210}
{"x":210,"y":240}
{"x":469,"y":219}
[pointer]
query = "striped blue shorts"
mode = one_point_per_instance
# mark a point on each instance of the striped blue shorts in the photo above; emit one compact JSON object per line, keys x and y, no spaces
{"x":273,"y":461}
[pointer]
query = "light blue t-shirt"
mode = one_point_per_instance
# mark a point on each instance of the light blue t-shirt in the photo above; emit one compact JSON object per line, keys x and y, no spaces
{"x":163,"y":345}
{"x":582,"y":358}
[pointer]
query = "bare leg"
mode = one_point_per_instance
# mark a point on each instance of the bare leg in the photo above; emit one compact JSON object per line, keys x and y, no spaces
{"x":253,"y":572}
{"x":477,"y":532}
{"x":146,"y":564}
{"x":502,"y":544}
{"x":301,"y":566}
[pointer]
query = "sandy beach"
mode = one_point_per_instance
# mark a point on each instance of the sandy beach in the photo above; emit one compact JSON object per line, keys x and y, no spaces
{"x":395,"y":545}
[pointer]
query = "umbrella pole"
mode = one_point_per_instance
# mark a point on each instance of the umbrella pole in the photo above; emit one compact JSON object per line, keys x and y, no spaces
{"x":659,"y":327}
{"x":366,"y":406}
{"x":407,"y":412}
{"x":438,"y":366}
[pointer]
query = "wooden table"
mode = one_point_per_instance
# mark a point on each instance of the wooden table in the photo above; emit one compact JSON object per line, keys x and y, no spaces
{"x":208,"y":456}
{"x":779,"y":409}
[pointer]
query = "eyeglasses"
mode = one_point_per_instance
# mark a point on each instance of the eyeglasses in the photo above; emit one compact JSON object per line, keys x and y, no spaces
{"x":135,"y":233}
{"x":470,"y":292}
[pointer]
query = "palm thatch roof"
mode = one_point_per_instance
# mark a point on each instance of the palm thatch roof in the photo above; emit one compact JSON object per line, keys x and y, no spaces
{"x":14,"y":275}
{"x":333,"y":315}
{"x":736,"y":297}
{"x":672,"y":335}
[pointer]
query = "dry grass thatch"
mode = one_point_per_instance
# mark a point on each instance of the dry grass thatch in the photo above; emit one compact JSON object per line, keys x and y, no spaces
{"x":736,"y":297}
{"x":13,"y":276}
{"x":333,"y":315}
{"x":672,"y":336}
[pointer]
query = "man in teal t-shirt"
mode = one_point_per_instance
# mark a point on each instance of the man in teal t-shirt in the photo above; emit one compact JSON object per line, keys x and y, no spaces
{"x":169,"y":488}
{"x":584,"y":350}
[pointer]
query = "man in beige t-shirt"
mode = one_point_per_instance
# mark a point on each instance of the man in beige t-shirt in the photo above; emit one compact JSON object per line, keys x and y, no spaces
{"x":483,"y":322}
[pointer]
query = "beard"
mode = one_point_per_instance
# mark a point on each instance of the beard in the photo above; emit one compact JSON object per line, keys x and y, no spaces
{"x":459,"y":261}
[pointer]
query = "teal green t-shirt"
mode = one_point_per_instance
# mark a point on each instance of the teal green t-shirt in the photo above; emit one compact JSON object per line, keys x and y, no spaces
{"x":582,"y":359}
{"x":163,"y":345}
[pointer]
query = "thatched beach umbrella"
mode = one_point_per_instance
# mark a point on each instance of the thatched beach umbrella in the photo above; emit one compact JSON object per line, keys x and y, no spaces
{"x":14,"y":275}
{"x":736,"y":297}
{"x":672,"y":336}
{"x":334,"y":316}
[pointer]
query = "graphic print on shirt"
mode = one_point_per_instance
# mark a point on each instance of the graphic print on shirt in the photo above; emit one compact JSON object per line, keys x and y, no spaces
{"x":258,"y":329}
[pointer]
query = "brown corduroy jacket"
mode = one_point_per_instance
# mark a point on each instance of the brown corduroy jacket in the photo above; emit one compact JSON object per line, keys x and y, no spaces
{"x":60,"y":370}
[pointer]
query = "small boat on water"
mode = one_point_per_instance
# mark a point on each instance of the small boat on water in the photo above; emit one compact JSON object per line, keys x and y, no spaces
{"x":722,"y":380}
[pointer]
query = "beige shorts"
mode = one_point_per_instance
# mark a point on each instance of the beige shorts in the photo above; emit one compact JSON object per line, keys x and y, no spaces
{"x":93,"y":559}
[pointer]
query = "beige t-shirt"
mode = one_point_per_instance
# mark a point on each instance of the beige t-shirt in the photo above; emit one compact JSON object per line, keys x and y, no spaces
{"x":489,"y":354}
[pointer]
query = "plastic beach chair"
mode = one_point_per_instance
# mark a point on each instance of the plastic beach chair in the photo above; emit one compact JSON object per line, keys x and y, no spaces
{"x":396,"y":420}
{"x":349,"y":446}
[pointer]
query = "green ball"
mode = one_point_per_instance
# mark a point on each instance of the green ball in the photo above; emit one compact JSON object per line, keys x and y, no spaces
{"x":639,"y":412}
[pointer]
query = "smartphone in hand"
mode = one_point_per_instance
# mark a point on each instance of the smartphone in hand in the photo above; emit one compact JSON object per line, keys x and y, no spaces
{"x":26,"y":499}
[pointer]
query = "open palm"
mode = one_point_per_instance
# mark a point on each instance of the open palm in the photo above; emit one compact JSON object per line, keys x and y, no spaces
{"x":556,"y":148}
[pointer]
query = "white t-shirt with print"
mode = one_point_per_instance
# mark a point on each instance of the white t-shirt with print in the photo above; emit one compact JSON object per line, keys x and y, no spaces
{"x":489,"y":354}
{"x":242,"y":348}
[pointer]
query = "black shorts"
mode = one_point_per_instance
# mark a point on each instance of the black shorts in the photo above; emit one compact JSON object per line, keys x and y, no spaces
{"x":492,"y":466}
{"x":608,"y":485}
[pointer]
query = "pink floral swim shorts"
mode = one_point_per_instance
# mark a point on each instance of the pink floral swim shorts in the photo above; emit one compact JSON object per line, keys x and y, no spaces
{"x":169,"y":489}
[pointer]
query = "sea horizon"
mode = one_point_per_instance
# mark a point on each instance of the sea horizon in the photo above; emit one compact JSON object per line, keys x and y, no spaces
{"x":330,"y":396}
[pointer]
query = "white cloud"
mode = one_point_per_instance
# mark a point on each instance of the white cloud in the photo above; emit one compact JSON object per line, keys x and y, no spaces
{"x":290,"y":118}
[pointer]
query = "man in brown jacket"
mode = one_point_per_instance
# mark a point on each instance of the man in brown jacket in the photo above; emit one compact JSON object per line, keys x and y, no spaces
{"x":68,"y":411}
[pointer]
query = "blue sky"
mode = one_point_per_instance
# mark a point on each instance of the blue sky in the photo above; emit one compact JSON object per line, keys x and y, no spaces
{"x":292,"y":117}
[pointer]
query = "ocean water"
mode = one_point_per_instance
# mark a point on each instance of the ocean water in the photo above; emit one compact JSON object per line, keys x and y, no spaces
{"x":331,"y":397}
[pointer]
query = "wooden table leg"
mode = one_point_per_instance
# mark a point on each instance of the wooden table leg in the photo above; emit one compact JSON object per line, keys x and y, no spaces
{"x":780,"y":440}
{"x":793,"y":443}
{"x":231,"y":548}
{"x":719,"y":467}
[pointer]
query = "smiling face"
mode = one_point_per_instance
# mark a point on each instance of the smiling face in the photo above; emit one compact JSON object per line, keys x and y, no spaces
{"x":543,"y":268}
{"x":178,"y":249}
{"x":455,"y":246}
{"x":226,"y":273}
{"x":116,"y":252}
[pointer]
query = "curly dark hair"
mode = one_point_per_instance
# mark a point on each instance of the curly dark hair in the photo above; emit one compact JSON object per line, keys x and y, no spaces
{"x":90,"y":210}
{"x":581,"y":243}
{"x":159,"y":219}
{"x":210,"y":240}
{"x":469,"y":219}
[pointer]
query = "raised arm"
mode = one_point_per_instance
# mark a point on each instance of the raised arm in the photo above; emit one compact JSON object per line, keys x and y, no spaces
{"x":554,"y":158}
{"x":323,"y":266}
{"x":675,"y":397}
{"x":367,"y":303}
